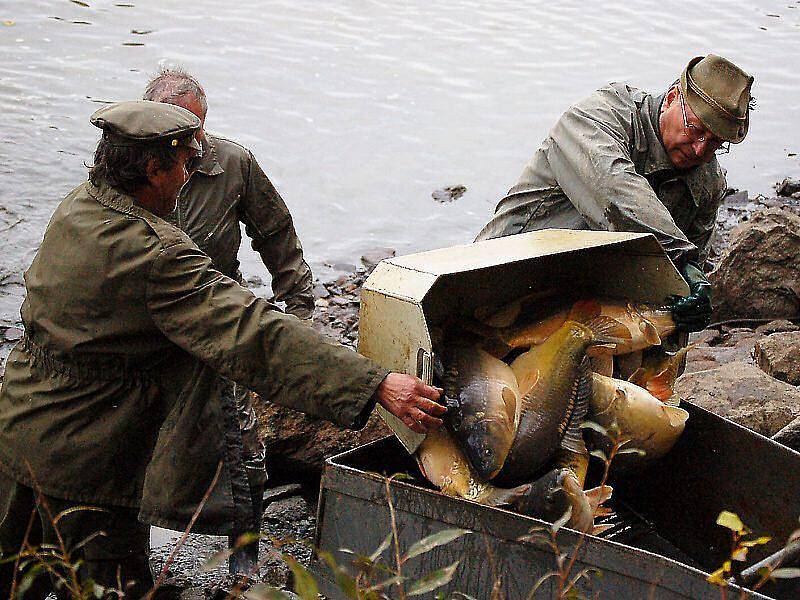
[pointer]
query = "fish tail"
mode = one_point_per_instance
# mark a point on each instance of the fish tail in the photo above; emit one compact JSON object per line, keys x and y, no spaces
{"x":663,"y":383}
{"x":606,"y":330}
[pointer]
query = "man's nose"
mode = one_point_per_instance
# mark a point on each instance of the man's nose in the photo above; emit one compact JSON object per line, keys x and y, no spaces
{"x":700,"y":148}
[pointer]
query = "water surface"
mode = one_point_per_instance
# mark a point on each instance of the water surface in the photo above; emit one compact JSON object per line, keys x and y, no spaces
{"x":359,"y":110}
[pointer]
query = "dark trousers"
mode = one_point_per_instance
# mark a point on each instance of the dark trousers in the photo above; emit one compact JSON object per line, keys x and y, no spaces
{"x":110,"y":544}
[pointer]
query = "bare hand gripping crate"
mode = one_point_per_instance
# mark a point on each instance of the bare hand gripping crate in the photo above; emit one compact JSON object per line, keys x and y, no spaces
{"x":665,"y":540}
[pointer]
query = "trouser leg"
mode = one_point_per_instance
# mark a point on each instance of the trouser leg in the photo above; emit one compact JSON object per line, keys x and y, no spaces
{"x":18,"y":517}
{"x":110,"y":543}
{"x":245,"y":559}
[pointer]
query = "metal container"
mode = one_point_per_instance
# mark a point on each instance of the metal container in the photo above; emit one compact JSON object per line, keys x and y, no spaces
{"x":664,"y":540}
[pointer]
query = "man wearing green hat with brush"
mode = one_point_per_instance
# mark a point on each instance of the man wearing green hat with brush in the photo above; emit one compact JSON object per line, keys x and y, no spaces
{"x":626,"y":160}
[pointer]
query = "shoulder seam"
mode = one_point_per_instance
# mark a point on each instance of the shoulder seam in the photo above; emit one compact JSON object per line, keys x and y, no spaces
{"x":230,"y":141}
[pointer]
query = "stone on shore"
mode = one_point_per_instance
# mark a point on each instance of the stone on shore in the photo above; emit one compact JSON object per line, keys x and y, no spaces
{"x":778,"y":355}
{"x":759,"y":275}
{"x":743,"y":393}
{"x":788,"y":187}
{"x":776,"y":326}
{"x":711,"y":348}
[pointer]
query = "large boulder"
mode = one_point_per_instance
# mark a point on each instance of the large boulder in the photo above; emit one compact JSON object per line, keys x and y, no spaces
{"x":778,"y":355}
{"x":743,"y":393}
{"x":759,"y":275}
{"x":298,"y":444}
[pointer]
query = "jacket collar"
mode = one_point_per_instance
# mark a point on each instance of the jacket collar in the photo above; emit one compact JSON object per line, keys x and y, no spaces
{"x":657,"y":157}
{"x":209,"y":163}
{"x":110,"y":196}
{"x":118,"y":200}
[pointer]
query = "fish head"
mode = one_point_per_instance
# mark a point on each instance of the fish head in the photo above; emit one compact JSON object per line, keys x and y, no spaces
{"x":547,"y":498}
{"x":488,"y":444}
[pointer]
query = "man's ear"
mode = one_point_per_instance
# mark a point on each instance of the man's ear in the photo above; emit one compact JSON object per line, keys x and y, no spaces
{"x":672,"y":96}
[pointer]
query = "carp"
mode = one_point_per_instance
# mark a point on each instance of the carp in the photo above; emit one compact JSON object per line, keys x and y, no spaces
{"x":555,"y":384}
{"x":444,"y":464}
{"x":648,"y":423}
{"x":483,"y":405}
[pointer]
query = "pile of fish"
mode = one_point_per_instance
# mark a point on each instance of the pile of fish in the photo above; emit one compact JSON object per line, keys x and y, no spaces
{"x":520,"y":381}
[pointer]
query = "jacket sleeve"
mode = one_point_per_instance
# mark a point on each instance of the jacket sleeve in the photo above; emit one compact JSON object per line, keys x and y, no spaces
{"x":250,"y":341}
{"x":591,"y":163}
{"x":269,"y":225}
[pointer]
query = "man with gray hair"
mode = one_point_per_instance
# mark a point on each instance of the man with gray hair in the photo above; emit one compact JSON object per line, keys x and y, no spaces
{"x":226,"y":187}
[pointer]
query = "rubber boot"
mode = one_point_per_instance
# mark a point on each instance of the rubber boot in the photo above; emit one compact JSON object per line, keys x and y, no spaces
{"x":244,"y":560}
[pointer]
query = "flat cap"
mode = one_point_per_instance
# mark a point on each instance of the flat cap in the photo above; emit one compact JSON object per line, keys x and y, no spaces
{"x":141,"y":121}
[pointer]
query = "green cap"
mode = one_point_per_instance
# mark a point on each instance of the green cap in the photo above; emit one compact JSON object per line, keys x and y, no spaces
{"x":141,"y":121}
{"x":718,"y":92}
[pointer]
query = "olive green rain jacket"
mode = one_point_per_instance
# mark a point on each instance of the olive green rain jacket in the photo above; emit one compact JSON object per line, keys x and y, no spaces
{"x":112,"y":396}
{"x":603,"y":167}
{"x":229,"y":187}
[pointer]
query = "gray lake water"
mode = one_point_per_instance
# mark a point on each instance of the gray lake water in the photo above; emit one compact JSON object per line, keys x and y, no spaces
{"x":359,"y":110}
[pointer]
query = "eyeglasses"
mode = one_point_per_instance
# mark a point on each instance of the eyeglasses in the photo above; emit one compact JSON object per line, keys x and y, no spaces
{"x":698,"y":134}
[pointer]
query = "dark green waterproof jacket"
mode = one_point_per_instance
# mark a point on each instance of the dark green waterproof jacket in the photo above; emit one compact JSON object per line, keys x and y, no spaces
{"x":227,"y":188}
{"x":603,"y":167}
{"x":112,"y":396}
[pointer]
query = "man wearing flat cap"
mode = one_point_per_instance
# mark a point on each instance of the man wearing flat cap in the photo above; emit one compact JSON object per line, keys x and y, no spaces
{"x":626,"y":160}
{"x":113,"y":397}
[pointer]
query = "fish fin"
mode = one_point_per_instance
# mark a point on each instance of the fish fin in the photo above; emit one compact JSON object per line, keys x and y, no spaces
{"x":603,"y":511}
{"x":599,"y":495}
{"x":637,"y":377}
{"x":660,"y":385}
{"x":650,"y":332}
{"x":511,"y":400}
{"x":584,"y":311}
{"x":608,"y":331}
{"x":495,"y":496}
{"x":677,"y":416}
{"x":603,"y":364}
{"x":598,"y":529}
{"x":530,"y":379}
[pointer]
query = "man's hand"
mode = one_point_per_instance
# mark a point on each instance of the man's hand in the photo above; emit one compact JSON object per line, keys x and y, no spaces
{"x":693,"y":313}
{"x":411,"y":401}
